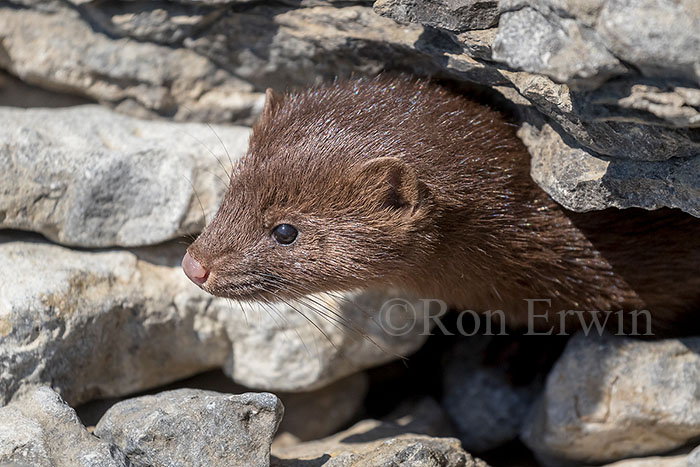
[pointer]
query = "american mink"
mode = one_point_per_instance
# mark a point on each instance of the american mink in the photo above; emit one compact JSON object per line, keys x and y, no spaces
{"x":395,"y":181}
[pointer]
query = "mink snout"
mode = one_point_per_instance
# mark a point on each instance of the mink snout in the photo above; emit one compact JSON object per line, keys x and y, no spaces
{"x":194,"y":270}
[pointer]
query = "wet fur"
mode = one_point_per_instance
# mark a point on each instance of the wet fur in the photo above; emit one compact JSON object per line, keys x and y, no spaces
{"x":396,"y":181}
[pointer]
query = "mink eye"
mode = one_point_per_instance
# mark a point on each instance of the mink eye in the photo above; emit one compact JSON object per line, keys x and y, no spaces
{"x":285,"y":234}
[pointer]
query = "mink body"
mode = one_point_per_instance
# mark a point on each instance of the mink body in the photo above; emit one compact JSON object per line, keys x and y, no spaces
{"x":401,"y":182}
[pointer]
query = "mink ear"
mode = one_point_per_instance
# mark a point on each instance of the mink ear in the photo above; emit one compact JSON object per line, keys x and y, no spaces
{"x":391,"y":183}
{"x":273,"y":100}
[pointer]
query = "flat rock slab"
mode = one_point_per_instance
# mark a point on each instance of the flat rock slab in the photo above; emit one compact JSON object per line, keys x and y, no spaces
{"x":371,"y":443}
{"x":112,"y":322}
{"x":610,"y":397}
{"x":43,"y":431}
{"x":581,"y":180}
{"x":453,"y":15}
{"x":682,"y":460}
{"x":87,"y":176}
{"x":53,"y":47}
{"x":189,"y":427}
{"x":616,"y":78}
{"x":588,"y":40}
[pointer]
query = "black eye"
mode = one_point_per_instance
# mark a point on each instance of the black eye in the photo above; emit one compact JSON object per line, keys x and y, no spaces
{"x":285,"y":234}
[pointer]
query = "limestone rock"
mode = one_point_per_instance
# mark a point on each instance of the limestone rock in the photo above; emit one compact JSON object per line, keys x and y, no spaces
{"x":100,"y":323}
{"x":194,"y":427}
{"x":154,"y":21}
{"x":655,"y":461}
{"x":453,"y":15}
{"x":581,"y":180}
{"x":424,"y":416}
{"x":560,"y":48}
{"x":339,"y":402}
{"x":643,"y":102}
{"x":17,"y":93}
{"x":694,"y":458}
{"x":478,"y":43}
{"x":86,"y":176}
{"x":299,"y":47}
{"x":611,"y":397}
{"x":112,"y":322}
{"x":617,"y":77}
{"x":307,"y":345}
{"x":60,"y":51}
{"x":217,"y":60}
{"x":658,"y":38}
{"x":42,"y":431}
{"x":579,"y":116}
{"x":371,"y":443}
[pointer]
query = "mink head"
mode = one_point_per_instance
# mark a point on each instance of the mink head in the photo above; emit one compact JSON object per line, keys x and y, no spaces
{"x":322,"y":201}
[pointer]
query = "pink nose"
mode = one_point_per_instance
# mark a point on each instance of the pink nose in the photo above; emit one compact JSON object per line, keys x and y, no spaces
{"x":194,"y":270}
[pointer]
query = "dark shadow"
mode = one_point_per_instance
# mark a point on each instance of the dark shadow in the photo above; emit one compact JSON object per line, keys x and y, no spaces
{"x":16,"y":93}
{"x":657,"y":253}
{"x":317,"y":462}
{"x":614,"y":130}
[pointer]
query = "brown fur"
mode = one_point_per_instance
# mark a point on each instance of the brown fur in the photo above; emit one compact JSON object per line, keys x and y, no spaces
{"x":395,"y":181}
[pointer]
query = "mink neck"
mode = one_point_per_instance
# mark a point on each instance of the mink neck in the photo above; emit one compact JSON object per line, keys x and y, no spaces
{"x":491,"y":241}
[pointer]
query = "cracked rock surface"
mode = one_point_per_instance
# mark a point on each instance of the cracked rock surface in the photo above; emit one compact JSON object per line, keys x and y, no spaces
{"x":617,"y":80}
{"x":194,"y":427}
{"x":89,"y":177}
{"x":611,"y":397}
{"x":43,"y":431}
{"x":102,"y":323}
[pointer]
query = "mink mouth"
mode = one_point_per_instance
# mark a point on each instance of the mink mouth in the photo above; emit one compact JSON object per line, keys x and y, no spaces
{"x":247,"y":289}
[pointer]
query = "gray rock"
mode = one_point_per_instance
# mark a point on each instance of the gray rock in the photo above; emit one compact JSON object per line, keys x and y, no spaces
{"x":111,"y":322}
{"x":155,"y":21}
{"x":371,"y":443}
{"x":61,"y":51}
{"x":43,"y":431}
{"x":478,"y":43}
{"x":610,"y":397}
{"x":423,"y":416}
{"x":644,"y":102}
{"x":41,"y":5}
{"x":578,"y":115}
{"x":694,"y":458}
{"x":453,"y":15}
{"x":281,"y":350}
{"x":86,"y":176}
{"x":580,"y":180}
{"x":101,"y":323}
{"x":621,"y":98}
{"x":298,"y":47}
{"x":655,"y":461}
{"x":16,"y":93}
{"x":189,"y":427}
{"x":658,"y":37}
{"x":339,"y":402}
{"x":486,"y":409}
{"x":539,"y":41}
{"x":219,"y":57}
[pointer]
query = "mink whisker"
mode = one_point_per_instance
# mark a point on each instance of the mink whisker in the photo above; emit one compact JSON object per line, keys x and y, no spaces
{"x":223,"y":167}
{"x":225,"y":150}
{"x":332,"y":316}
{"x":204,"y":214}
